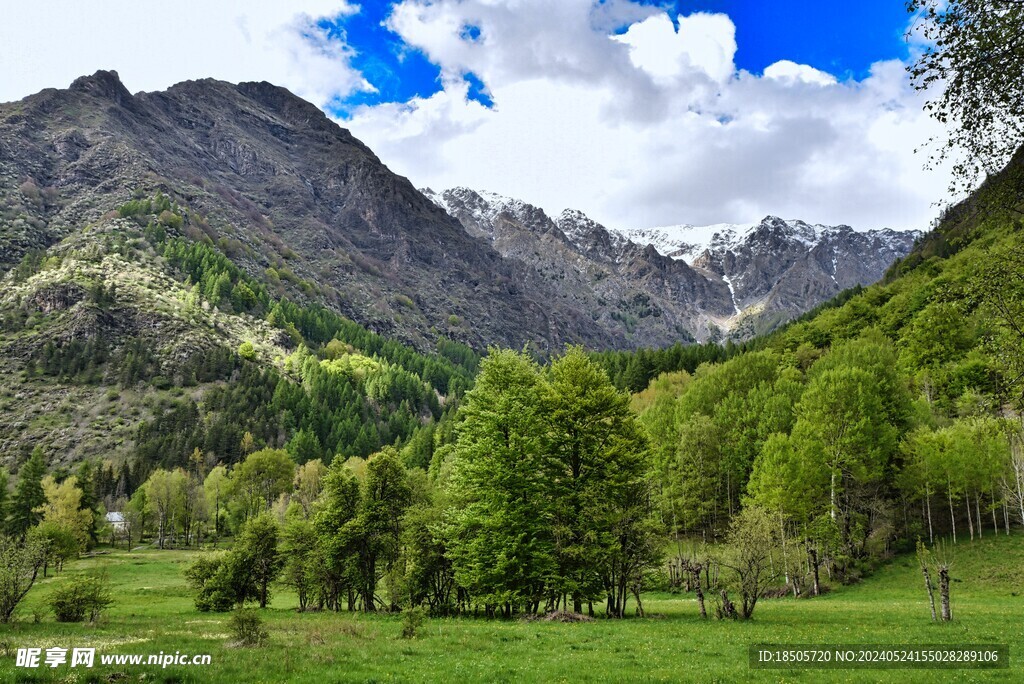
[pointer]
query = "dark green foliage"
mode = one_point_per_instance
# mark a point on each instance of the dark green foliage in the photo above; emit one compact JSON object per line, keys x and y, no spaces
{"x":550,"y":489}
{"x":205,"y":577}
{"x":299,"y":549}
{"x":28,"y":495}
{"x":633,"y":371}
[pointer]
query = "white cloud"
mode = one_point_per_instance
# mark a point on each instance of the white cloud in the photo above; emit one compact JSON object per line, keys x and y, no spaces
{"x":787,"y":71}
{"x":153,"y":45}
{"x":653,"y":126}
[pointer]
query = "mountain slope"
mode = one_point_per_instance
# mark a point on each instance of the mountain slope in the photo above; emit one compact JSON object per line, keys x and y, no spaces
{"x":278,"y":186}
{"x":742,"y":280}
{"x":778,"y":269}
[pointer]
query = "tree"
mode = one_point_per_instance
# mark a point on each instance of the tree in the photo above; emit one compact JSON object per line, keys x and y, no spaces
{"x":262,"y":477}
{"x":65,"y":525}
{"x":595,"y":465}
{"x":28,"y":495}
{"x":752,"y":536}
{"x":207,"y":576}
{"x":498,"y":530}
{"x":308,"y":484}
{"x":299,"y":545}
{"x":85,"y":477}
{"x":337,"y":507}
{"x":217,"y":489}
{"x":377,"y":529}
{"x":163,"y":496}
{"x":840,"y":427}
{"x":254,"y":561}
{"x":974,"y":49}
{"x":136,"y":514}
{"x":304,"y":446}
{"x":20,"y":561}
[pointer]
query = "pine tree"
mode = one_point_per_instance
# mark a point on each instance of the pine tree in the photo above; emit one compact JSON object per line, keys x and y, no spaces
{"x":28,"y":495}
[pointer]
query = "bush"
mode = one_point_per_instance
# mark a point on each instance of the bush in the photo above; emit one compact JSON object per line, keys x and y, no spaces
{"x":81,"y":598}
{"x":247,"y":628}
{"x":207,"y":577}
{"x":412,"y":620}
{"x":247,"y":351}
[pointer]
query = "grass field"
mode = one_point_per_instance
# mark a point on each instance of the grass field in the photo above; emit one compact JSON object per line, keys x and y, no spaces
{"x":153,"y":612}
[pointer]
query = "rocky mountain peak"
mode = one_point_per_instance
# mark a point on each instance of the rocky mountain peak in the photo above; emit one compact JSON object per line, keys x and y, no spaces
{"x":103,"y":84}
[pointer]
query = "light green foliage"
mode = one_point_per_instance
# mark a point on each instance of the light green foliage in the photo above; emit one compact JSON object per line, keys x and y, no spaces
{"x":841,"y":434}
{"x":20,"y":563}
{"x":81,"y":598}
{"x":260,"y":479}
{"x":753,"y":536}
{"x":247,"y":351}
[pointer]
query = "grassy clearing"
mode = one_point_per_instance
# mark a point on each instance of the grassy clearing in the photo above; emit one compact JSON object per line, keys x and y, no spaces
{"x":153,"y":613}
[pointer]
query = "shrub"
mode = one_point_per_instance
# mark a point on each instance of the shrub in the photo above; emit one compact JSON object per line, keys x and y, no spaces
{"x":412,"y":620}
{"x":81,"y":598}
{"x":247,"y":628}
{"x":207,"y":578}
{"x":247,"y":351}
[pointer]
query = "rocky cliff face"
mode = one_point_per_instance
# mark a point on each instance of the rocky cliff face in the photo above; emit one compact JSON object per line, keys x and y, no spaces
{"x":741,"y":280}
{"x":778,"y":269}
{"x":628,"y":288}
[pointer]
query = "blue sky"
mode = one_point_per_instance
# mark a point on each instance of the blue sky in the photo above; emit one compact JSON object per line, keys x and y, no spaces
{"x":839,"y":38}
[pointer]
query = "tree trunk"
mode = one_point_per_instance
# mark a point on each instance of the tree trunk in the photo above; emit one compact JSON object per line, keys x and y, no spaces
{"x":970,"y":516}
{"x":699,"y":591}
{"x":928,"y":586}
{"x":977,"y":510}
{"x":832,"y":497}
{"x":947,"y":613}
{"x":728,"y":610}
{"x":995,"y":518}
{"x":952,"y":517}
{"x":928,"y":500}
{"x":813,"y":553}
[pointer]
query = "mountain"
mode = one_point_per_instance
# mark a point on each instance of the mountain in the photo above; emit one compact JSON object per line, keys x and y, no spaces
{"x":742,"y":279}
{"x":653,"y":299}
{"x":777,"y":269}
{"x":276,"y":185}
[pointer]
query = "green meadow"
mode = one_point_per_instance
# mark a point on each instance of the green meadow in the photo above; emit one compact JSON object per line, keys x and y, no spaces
{"x":153,"y":612}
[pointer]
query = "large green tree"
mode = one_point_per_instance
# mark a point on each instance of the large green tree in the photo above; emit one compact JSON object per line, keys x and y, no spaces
{"x":594,"y":455}
{"x":500,"y":535}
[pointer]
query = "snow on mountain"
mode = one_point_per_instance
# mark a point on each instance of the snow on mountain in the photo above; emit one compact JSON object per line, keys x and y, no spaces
{"x":740,"y":278}
{"x":688,"y":242}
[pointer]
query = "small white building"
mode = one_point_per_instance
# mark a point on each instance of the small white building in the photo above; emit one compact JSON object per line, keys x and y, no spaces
{"x":116,"y":521}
